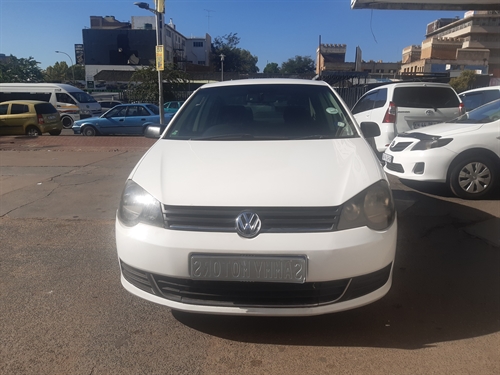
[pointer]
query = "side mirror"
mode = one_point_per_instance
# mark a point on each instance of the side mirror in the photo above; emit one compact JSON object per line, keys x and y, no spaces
{"x":370,"y":129}
{"x":154,"y":131}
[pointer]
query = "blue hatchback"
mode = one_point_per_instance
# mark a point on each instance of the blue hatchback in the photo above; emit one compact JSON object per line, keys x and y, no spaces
{"x":122,"y":119}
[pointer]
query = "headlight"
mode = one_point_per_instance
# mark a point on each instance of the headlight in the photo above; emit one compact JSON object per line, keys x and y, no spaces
{"x":85,"y":112}
{"x":373,"y":207}
{"x":138,"y":206}
{"x":435,"y":142}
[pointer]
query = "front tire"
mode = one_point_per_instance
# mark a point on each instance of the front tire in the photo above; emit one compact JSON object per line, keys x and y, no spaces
{"x":473,"y":177}
{"x":33,"y":131}
{"x":89,"y":131}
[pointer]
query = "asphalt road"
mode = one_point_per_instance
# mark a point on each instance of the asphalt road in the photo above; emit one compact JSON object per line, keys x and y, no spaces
{"x":64,"y":311}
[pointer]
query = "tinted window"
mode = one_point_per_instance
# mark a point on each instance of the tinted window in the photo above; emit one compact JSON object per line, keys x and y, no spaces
{"x":381,"y":98}
{"x":16,"y":109}
{"x":153,"y":108}
{"x":262,"y":112}
{"x":82,"y":97}
{"x":490,"y":95}
{"x":472,"y":100}
{"x":44,"y":108}
{"x":425,"y":97}
{"x":366,"y":102}
{"x":64,"y":98}
{"x":484,"y":114}
{"x":117,"y":112}
{"x":3,"y":109}
{"x":5,"y":96}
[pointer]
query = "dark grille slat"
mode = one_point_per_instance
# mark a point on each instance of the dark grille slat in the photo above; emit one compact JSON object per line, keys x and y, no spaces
{"x":255,"y":294}
{"x":275,"y":219}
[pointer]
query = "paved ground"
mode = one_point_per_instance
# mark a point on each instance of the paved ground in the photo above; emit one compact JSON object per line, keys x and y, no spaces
{"x":64,"y":311}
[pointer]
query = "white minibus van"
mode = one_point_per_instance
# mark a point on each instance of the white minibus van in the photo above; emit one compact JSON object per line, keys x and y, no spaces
{"x":71,"y":102}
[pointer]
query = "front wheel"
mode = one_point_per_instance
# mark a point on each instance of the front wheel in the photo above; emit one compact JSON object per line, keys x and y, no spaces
{"x":473,"y":177}
{"x":33,"y":131}
{"x":67,"y":122}
{"x":89,"y":131}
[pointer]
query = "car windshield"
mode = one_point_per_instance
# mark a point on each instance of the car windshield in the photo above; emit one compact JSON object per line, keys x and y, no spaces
{"x":262,"y":111}
{"x":484,"y":114}
{"x":82,"y":97}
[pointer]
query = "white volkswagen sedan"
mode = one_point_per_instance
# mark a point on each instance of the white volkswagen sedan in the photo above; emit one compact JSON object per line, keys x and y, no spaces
{"x":262,"y":197}
{"x":464,"y":153}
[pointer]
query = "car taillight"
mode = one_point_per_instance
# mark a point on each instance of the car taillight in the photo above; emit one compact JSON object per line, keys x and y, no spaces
{"x":390,"y":115}
{"x":461,"y":108}
{"x":40,"y":120}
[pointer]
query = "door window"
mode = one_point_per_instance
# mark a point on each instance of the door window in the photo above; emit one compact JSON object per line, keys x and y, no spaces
{"x":17,"y":109}
{"x":64,"y":98}
{"x":366,"y":103}
{"x":3,"y":109}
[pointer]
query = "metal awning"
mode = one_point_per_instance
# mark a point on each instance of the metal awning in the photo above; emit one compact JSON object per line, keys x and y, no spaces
{"x":427,"y":4}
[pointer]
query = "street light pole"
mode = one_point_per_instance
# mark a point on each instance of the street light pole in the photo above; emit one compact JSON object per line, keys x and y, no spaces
{"x":159,"y":42}
{"x":72,"y":65}
{"x":222,"y":66}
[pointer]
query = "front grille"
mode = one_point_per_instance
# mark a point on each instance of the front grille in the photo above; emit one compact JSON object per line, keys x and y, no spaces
{"x":395,"y":167}
{"x":256,"y":294}
{"x":274,"y":220}
{"x":400,"y":146}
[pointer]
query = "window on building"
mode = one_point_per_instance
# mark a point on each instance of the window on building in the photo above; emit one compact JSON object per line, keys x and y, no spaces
{"x":201,"y":62}
{"x":197,"y":44}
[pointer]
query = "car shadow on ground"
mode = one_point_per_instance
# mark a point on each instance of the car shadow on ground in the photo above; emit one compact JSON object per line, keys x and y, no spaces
{"x":445,"y":287}
{"x":441,"y":189}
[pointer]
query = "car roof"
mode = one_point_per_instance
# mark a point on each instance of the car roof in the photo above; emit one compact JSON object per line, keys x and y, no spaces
{"x":265,"y":81}
{"x":24,"y":102}
{"x":129,"y":104}
{"x":481,"y":89}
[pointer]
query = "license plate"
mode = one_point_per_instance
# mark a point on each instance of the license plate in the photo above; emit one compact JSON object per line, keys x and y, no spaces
{"x":417,"y":125}
{"x":51,"y":118}
{"x":278,"y":269}
{"x":387,"y":158}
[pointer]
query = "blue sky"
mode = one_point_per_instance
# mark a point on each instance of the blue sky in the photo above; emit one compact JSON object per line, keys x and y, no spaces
{"x":272,"y":30}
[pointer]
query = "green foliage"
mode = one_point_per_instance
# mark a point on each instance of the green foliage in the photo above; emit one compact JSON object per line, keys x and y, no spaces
{"x":235,"y":59}
{"x":463,"y":82}
{"x":143,"y":86}
{"x":20,"y":70}
{"x":272,"y":68}
{"x":61,"y":72}
{"x":298,"y":65}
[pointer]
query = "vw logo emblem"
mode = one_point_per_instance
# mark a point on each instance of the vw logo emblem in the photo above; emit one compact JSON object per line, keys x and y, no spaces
{"x":429,"y":112}
{"x":248,"y":224}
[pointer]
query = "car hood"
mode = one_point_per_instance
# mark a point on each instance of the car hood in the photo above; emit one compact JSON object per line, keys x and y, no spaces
{"x":257,"y":173}
{"x":446,"y":129}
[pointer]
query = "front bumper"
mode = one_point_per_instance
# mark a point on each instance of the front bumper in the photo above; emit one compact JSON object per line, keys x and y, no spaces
{"x":346,"y":269}
{"x":429,"y":165}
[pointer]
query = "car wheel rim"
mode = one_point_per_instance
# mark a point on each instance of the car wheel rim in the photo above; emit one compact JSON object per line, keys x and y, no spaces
{"x":474,"y":177}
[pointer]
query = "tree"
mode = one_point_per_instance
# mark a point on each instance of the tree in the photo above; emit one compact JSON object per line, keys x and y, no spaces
{"x":298,"y":65}
{"x":464,"y":81}
{"x":20,"y":70}
{"x":143,"y":86}
{"x":272,"y":68}
{"x":61,"y":72}
{"x":235,"y":59}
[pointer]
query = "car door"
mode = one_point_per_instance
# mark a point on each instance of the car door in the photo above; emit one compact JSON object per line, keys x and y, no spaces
{"x":137,"y":115}
{"x":4,"y":110}
{"x":113,"y":121}
{"x":362,"y":110}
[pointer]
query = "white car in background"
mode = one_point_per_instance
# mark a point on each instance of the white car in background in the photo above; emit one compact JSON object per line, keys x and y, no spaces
{"x":464,"y":153}
{"x":262,"y":197}
{"x":404,"y":106}
{"x":477,"y":97}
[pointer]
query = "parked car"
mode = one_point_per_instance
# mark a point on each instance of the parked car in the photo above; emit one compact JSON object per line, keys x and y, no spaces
{"x":399,"y":107}
{"x":464,"y":153}
{"x":106,"y":105}
{"x":262,"y":197}
{"x":121,"y":119}
{"x":172,"y":107}
{"x":30,"y":117}
{"x":477,"y":97}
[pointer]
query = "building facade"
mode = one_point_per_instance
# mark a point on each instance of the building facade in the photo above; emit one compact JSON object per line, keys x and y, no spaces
{"x":454,"y":45}
{"x":113,"y":46}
